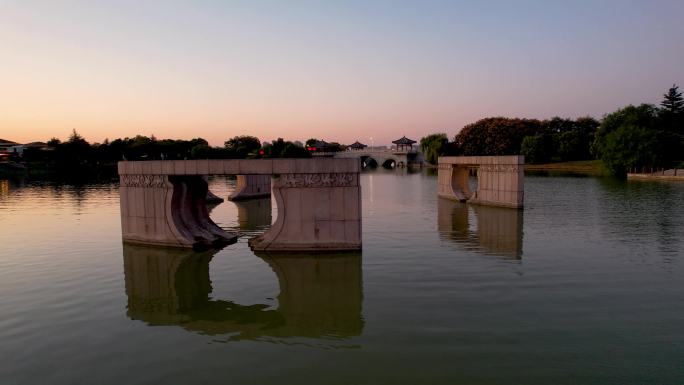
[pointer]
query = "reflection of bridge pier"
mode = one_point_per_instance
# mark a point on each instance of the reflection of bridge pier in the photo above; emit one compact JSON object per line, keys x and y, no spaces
{"x":498,"y":230}
{"x":320,"y":297}
{"x":164,"y":284}
{"x":254,"y":214}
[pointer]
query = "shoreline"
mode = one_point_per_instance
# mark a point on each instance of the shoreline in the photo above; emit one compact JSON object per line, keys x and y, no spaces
{"x":580,"y":167}
{"x":650,"y":177}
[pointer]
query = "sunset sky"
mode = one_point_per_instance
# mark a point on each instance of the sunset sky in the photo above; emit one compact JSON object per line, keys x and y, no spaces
{"x":337,"y":70}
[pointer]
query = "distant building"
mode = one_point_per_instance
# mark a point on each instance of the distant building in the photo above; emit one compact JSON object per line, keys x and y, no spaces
{"x":319,"y":146}
{"x":323,"y":148}
{"x":5,"y":146}
{"x":404,"y":144}
{"x":20,"y":148}
{"x":356,"y":146}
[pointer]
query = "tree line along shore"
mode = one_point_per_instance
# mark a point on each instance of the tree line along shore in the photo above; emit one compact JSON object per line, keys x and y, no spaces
{"x":633,"y":137}
{"x":643,"y":137}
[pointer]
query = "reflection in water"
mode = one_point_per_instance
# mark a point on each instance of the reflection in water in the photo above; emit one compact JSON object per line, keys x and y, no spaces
{"x":499,"y":231}
{"x":4,"y":188}
{"x":254,"y":214}
{"x":631,"y":212}
{"x":320,"y":296}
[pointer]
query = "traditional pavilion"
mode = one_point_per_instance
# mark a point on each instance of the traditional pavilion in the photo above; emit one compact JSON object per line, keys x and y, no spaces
{"x":356,"y":146}
{"x":404,"y":144}
{"x":319,"y":146}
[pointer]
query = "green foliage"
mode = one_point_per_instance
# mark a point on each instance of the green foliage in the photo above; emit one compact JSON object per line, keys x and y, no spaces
{"x":537,"y":148}
{"x":496,"y":136}
{"x":284,"y":149}
{"x":433,"y":146}
{"x":575,"y":142}
{"x":629,"y":146}
{"x":559,"y":125}
{"x":200,"y":151}
{"x":641,"y":116}
{"x":310,"y":142}
{"x":556,"y":138}
{"x":629,"y":137}
{"x":241,"y":146}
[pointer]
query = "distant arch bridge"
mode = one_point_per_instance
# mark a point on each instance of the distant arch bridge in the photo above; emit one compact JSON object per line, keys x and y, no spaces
{"x":382,"y":158}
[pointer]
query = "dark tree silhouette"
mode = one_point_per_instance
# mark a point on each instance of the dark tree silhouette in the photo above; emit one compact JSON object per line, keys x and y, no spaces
{"x":241,"y":146}
{"x":496,"y":136}
{"x":673,"y":101}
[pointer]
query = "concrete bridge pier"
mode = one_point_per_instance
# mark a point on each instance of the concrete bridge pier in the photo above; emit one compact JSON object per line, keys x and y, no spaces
{"x":314,"y":209}
{"x":319,"y":203}
{"x":500,"y":179}
{"x":251,"y":186}
{"x":168,"y":210}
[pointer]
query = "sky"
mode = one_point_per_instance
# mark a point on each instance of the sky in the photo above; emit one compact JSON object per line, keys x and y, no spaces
{"x":334,"y":70}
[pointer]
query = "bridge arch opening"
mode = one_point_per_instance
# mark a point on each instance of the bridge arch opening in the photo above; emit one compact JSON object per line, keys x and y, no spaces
{"x":368,"y":162}
{"x":389,"y":164}
{"x":460,"y":182}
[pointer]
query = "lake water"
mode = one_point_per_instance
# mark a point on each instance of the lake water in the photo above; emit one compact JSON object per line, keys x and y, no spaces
{"x":584,"y":286}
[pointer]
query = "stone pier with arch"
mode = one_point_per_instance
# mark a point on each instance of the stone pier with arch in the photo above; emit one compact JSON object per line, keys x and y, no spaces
{"x":500,"y":179}
{"x":251,"y":187}
{"x":318,"y":200}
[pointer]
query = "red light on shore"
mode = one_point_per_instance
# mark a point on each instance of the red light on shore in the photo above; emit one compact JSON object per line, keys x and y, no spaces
{"x":261,"y":152}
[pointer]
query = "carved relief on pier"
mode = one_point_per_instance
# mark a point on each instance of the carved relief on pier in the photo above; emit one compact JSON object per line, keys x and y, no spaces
{"x":317,"y":180}
{"x":133,"y":180}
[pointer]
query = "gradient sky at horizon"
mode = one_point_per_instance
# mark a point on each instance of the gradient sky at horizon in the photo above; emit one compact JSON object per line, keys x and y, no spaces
{"x":340,"y":71}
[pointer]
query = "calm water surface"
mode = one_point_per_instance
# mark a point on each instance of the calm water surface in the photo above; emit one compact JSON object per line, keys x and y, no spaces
{"x":585,"y":286}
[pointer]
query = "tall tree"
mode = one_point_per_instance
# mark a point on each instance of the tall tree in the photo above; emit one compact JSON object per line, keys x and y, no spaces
{"x":673,"y":101}
{"x":630,"y":137}
{"x":672,"y":122}
{"x":433,"y":146}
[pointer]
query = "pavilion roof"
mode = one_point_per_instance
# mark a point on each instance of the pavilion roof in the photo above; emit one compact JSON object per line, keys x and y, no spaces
{"x":36,"y":144}
{"x":357,"y":145}
{"x":4,"y":141}
{"x":404,"y":140}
